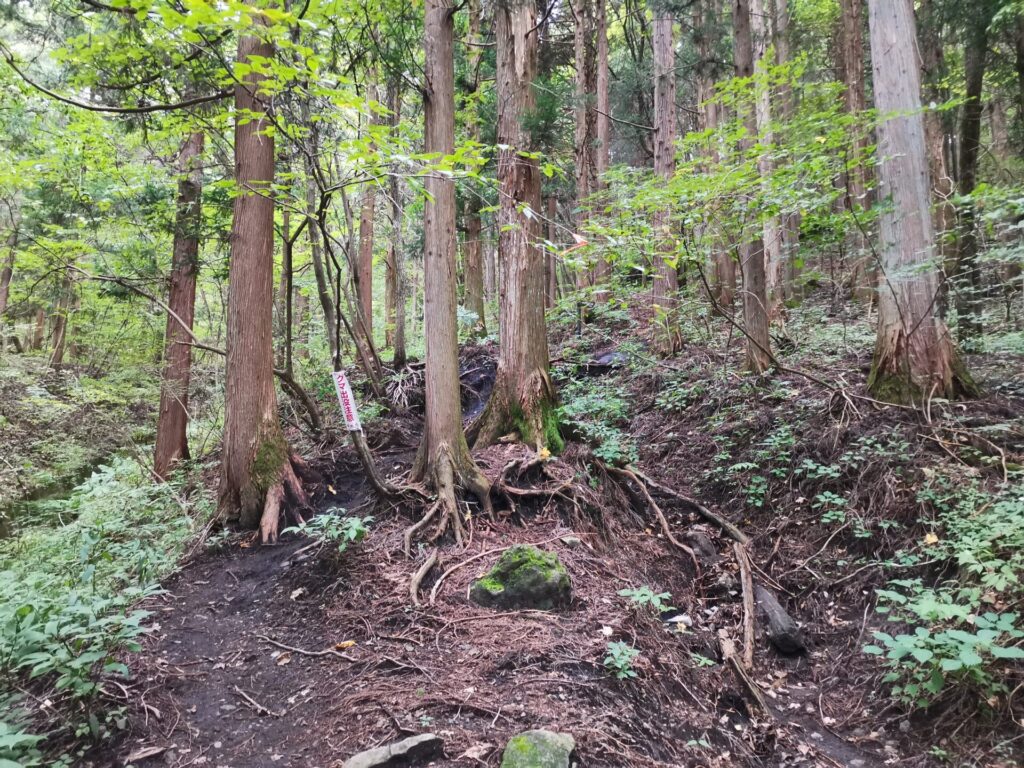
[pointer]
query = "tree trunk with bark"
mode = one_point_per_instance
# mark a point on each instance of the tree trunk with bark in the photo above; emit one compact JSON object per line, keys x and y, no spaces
{"x":523,"y":398}
{"x":6,"y":275}
{"x":968,"y":280}
{"x":585,"y":139}
{"x":602,"y":269}
{"x":851,"y":52}
{"x":172,"y":421}
{"x":761,"y":34}
{"x":667,"y":339}
{"x":474,"y":264}
{"x":396,"y":290}
{"x":751,"y":252}
{"x":364,"y":265}
{"x":789,"y":221}
{"x":706,"y":18}
{"x":61,"y":320}
{"x":933,"y":73}
{"x":443,"y":459}
{"x":915,"y":358}
{"x":325,"y":291}
{"x":38,"y":333}
{"x":550,"y":261}
{"x":256,"y":466}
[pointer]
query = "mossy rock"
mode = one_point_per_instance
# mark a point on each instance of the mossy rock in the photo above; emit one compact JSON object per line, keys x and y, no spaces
{"x":524,"y":577}
{"x":538,"y":749}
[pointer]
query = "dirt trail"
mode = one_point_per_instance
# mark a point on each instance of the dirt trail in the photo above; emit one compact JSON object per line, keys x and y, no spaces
{"x":213,"y":690}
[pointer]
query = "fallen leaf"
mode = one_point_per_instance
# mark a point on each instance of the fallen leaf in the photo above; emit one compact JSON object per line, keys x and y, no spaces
{"x":283,"y":659}
{"x":931,"y":539}
{"x":344,"y":644}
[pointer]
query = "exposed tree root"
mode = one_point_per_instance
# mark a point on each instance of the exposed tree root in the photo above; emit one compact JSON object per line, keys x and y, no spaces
{"x":417,"y":579}
{"x":662,"y":520}
{"x":444,"y":473}
{"x":754,"y":695}
{"x":273,"y":506}
{"x":731,"y":530}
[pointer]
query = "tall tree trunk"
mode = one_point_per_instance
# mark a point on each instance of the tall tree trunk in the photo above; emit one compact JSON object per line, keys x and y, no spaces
{"x":396,"y":252}
{"x":1018,"y":62}
{"x":602,"y":269}
{"x":586,"y":120}
{"x":365,"y":265}
{"x":172,"y":421}
{"x":789,"y":221}
{"x":302,"y":324}
{"x":255,"y":461}
{"x":523,"y":397}
{"x":1000,"y":131}
{"x":761,"y":34}
{"x":61,"y":320}
{"x":324,"y":289}
{"x":550,"y":262}
{"x":751,"y":252}
{"x":933,"y":73}
{"x":851,"y":51}
{"x":667,"y":339}
{"x":706,"y":18}
{"x":443,"y":458}
{"x":38,"y":334}
{"x":603,"y":114}
{"x":968,"y":284}
{"x":6,"y":274}
{"x":474,"y":265}
{"x":915,"y":358}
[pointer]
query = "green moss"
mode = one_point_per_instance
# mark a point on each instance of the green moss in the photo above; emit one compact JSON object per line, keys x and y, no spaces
{"x":524,"y":576}
{"x":550,"y":436}
{"x":268,"y":461}
{"x":538,"y":749}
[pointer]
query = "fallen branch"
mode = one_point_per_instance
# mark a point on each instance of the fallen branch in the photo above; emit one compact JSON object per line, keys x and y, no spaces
{"x":257,"y":707}
{"x":304,"y":652}
{"x":748,"y":604}
{"x":728,"y":648}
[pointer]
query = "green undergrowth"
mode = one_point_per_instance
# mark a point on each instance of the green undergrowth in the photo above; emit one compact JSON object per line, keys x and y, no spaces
{"x":68,"y":597}
{"x":961,"y":635}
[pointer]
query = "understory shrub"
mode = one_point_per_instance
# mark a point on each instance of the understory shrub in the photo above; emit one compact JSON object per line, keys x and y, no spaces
{"x":959,"y":636}
{"x":68,"y":592}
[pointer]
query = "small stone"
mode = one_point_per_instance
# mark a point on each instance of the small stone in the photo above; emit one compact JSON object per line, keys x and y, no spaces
{"x":538,"y":749}
{"x":407,"y":752}
{"x":524,"y":577}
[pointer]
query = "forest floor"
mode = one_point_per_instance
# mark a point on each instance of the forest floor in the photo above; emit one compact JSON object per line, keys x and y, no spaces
{"x":295,"y":656}
{"x":56,"y":426}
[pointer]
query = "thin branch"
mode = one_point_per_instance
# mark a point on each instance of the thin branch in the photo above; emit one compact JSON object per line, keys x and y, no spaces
{"x":143,"y":109}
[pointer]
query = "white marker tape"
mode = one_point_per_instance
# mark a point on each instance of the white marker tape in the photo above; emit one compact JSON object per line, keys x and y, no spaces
{"x":347,"y":401}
